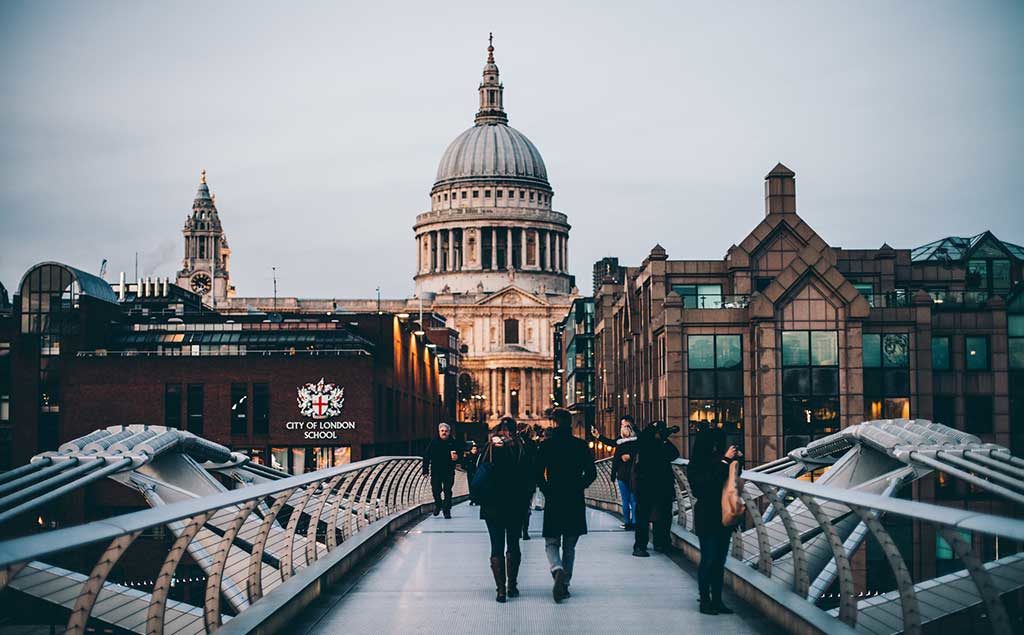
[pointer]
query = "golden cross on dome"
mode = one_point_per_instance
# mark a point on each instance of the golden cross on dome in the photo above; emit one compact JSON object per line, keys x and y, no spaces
{"x":202,"y":176}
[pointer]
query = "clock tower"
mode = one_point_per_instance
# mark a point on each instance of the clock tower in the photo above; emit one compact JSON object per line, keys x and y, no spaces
{"x":204,"y":270}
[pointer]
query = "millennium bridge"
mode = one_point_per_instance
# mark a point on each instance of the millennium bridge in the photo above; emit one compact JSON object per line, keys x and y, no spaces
{"x":833,"y":542}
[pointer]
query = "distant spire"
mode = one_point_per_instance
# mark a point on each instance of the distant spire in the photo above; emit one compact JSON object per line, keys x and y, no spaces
{"x":492,"y":108}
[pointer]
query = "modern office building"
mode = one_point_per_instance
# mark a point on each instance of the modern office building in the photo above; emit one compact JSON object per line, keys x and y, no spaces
{"x":787,"y":338}
{"x":574,"y":366}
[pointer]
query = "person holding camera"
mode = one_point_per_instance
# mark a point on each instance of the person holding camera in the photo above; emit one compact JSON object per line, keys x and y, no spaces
{"x":655,"y":489}
{"x":509,"y":483}
{"x":564,"y":468}
{"x":708,"y":472}
{"x":439,"y":462}
{"x":622,"y":467}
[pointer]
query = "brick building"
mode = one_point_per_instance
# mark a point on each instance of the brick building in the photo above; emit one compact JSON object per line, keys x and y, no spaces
{"x":299,"y":392}
{"x":787,"y":339}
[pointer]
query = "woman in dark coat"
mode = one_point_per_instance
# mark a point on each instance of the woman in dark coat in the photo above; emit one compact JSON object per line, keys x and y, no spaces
{"x":564,"y":469}
{"x":708,"y":471}
{"x":511,"y":481}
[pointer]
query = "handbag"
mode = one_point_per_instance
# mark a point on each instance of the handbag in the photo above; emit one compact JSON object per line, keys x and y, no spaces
{"x":733,"y":506}
{"x":481,"y":488}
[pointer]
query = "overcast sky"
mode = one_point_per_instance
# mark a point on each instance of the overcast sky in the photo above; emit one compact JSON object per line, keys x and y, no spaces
{"x":321,"y":125}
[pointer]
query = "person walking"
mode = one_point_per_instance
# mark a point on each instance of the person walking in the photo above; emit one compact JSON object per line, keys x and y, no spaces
{"x":502,"y":510}
{"x":469,"y":461}
{"x":439,"y":462}
{"x":622,"y":467}
{"x":564,"y":469}
{"x":529,"y":456}
{"x":707,"y":473}
{"x":655,"y":487}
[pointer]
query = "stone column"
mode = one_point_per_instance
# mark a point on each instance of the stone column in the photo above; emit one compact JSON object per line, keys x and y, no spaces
{"x":494,"y":252}
{"x":565,"y":253}
{"x":557,"y":266}
{"x":508,"y":250}
{"x":451,"y":250}
{"x":522,"y":248}
{"x":508,"y":391}
{"x":430,"y":251}
{"x":536,"y":248}
{"x":547,"y":250}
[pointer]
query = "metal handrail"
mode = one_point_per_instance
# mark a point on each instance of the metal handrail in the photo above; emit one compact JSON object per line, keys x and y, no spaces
{"x":247,"y":541}
{"x":801,"y":516}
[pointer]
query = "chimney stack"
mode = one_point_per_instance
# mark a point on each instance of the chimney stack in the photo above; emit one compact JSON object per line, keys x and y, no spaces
{"x":780,"y":191}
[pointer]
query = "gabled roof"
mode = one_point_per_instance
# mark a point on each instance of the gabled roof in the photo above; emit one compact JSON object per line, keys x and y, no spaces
{"x":511,"y":296}
{"x":959,"y":247}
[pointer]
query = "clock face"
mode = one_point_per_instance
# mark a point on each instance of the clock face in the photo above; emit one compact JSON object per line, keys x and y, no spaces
{"x":201,"y":283}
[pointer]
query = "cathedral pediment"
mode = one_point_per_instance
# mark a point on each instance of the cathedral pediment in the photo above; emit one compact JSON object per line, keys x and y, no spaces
{"x":512,"y":296}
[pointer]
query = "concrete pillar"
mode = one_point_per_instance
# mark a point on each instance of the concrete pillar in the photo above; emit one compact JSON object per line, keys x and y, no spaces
{"x":451,"y":250}
{"x":508,"y":391}
{"x":547,"y":250}
{"x":522,"y":248}
{"x":508,"y":250}
{"x":494,"y":252}
{"x":537,"y":248}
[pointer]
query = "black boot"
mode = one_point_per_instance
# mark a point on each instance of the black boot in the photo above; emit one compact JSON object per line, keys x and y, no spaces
{"x":498,"y":569}
{"x":512,"y":561}
{"x":558,"y":590}
{"x":707,"y":607}
{"x":719,"y":607}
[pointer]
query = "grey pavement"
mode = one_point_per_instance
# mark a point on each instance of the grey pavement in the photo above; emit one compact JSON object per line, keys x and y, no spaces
{"x":435,"y":579}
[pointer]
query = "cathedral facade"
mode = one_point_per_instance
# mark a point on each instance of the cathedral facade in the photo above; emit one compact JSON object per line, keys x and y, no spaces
{"x":492,"y":259}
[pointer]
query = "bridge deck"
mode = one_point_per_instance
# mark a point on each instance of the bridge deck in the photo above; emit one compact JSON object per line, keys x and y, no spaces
{"x":435,"y":579}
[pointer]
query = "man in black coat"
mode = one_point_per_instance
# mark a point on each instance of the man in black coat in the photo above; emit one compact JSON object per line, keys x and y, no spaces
{"x":439,"y":461}
{"x":564,"y":468}
{"x":655,"y":487}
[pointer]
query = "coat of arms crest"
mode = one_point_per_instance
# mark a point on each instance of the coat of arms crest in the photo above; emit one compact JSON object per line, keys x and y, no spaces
{"x":321,"y":400}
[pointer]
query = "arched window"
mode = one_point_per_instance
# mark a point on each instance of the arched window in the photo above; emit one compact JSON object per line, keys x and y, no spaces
{"x":511,"y":331}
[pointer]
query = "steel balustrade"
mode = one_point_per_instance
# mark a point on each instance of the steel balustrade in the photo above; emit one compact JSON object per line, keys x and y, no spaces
{"x":258,"y":536}
{"x":802,"y":516}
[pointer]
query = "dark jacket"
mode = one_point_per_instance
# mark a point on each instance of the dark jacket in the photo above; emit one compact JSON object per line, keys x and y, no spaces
{"x":512,"y":482}
{"x":652,"y":469}
{"x":620,"y":469}
{"x":564,"y":469}
{"x":437,"y":461}
{"x":707,"y":477}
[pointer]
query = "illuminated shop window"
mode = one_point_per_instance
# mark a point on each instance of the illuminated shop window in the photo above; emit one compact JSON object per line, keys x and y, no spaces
{"x":715,"y":385}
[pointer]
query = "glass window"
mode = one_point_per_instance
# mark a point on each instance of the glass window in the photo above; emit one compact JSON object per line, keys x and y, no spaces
{"x":824,"y":348}
{"x":978,"y":414}
{"x":700,"y":296}
{"x":977,"y":274}
{"x":1000,"y":276}
{"x":872,"y":343}
{"x":511,"y":331}
{"x":895,"y":350}
{"x":279,"y":459}
{"x":1016,"y":341}
{"x":239,"y":409}
{"x":940,"y":353}
{"x":260,"y":408}
{"x":195,"y":409}
{"x":976,"y":352}
{"x":728,"y":351}
{"x":172,"y":405}
{"x":944,"y":410}
{"x":867,"y":290}
{"x":701,"y":351}
{"x":795,"y":348}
